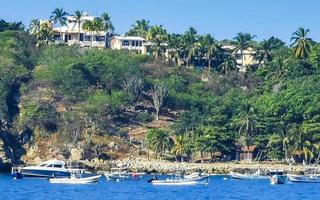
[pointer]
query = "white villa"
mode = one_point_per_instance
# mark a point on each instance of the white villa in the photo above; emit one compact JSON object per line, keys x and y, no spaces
{"x":248,"y":56}
{"x":69,"y":34}
{"x":130,"y":43}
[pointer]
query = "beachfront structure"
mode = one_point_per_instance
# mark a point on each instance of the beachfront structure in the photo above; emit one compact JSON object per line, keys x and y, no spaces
{"x":246,"y":153}
{"x":70,"y":34}
{"x":130,"y":43}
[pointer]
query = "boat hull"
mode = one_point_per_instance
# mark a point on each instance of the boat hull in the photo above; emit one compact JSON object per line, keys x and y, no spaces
{"x":87,"y":180}
{"x":179,"y":182}
{"x":277,"y":179}
{"x":303,"y":178}
{"x":44,"y":173}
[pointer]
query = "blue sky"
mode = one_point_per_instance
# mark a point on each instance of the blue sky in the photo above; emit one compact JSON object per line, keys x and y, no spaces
{"x":222,"y":18}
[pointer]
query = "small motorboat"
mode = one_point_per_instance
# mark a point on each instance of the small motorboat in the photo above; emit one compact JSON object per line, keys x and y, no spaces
{"x":248,"y":176}
{"x":75,"y":179}
{"x":195,"y":176}
{"x":313,"y":178}
{"x":16,"y":173}
{"x":277,"y":177}
{"x":117,"y":174}
{"x":179,"y":182}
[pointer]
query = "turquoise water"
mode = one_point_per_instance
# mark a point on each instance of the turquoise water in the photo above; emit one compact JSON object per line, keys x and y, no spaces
{"x":218,"y":188}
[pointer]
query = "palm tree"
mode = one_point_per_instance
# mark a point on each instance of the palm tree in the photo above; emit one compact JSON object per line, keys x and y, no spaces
{"x":107,"y":26}
{"x":140,"y":28}
{"x":281,"y":138}
{"x":229,"y":63}
{"x":193,"y":51}
{"x":180,"y":147}
{"x":211,"y":49}
{"x":242,"y":42}
{"x":159,"y":140}
{"x":247,"y":122}
{"x":78,"y":15}
{"x":34,"y":26}
{"x":302,"y":144}
{"x":158,"y":36}
{"x":266,"y":49}
{"x":189,"y":38}
{"x":88,"y":26}
{"x":59,"y":16}
{"x":44,"y":35}
{"x":301,"y":43}
{"x":175,"y":47}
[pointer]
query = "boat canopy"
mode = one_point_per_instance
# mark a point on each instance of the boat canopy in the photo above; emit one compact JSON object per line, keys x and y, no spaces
{"x":53,"y":163}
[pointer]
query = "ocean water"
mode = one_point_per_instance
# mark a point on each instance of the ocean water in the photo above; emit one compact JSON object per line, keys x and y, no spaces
{"x":219,"y":187}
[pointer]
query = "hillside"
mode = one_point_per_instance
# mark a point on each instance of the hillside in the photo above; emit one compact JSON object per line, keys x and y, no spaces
{"x":92,"y":104}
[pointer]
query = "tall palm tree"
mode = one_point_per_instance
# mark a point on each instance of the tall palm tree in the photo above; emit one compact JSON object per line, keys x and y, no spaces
{"x":211,"y":48}
{"x":266,"y":48}
{"x":247,"y":122}
{"x":301,"y":43}
{"x":140,"y":28}
{"x":180,"y":147}
{"x":189,"y":38}
{"x":175,"y":47}
{"x":242,"y":42}
{"x":45,"y":35}
{"x":193,"y":51}
{"x":107,"y":26}
{"x":159,"y":140}
{"x":78,"y":15}
{"x":89,"y":26}
{"x":59,"y":16}
{"x":229,"y":63}
{"x":158,"y":36}
{"x":34,"y":26}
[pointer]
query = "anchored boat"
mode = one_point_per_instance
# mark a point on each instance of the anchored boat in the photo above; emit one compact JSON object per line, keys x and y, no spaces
{"x":247,"y":176}
{"x":50,"y":169}
{"x":277,"y":177}
{"x":117,"y":174}
{"x":315,"y":178}
{"x":76,"y":179}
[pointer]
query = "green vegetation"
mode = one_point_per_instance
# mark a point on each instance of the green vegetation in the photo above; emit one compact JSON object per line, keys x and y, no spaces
{"x":84,"y":96}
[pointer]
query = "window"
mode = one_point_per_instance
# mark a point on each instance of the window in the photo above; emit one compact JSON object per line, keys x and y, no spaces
{"x":100,"y":38}
{"x":137,"y":43}
{"x":81,"y":36}
{"x":87,"y":38}
{"x":125,"y":43}
{"x":238,"y":56}
{"x":133,"y":43}
{"x":140,"y":43}
{"x":57,"y":166}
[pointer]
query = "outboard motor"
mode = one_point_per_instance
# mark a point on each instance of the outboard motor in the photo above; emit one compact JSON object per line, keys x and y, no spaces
{"x":152,"y":179}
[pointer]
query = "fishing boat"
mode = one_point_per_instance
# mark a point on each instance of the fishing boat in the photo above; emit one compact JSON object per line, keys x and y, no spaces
{"x":195,"y":176}
{"x":117,"y":174}
{"x":50,"y":169}
{"x":248,"y":176}
{"x":277,"y":178}
{"x":76,"y":179}
{"x":180,"y":182}
{"x":314,"y":178}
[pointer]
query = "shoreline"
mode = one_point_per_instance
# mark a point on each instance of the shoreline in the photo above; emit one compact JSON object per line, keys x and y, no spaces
{"x":166,"y":167}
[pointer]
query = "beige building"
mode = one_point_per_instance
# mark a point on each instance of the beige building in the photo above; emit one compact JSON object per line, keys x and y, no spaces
{"x":247,"y":57}
{"x":130,"y":43}
{"x":70,"y":34}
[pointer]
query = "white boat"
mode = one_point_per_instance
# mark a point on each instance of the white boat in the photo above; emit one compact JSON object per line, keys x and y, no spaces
{"x":247,"y":176}
{"x":277,"y":179}
{"x":314,"y":178}
{"x":74,"y":179}
{"x":179,"y":182}
{"x":117,"y":173}
{"x":195,"y":176}
{"x":50,"y":169}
